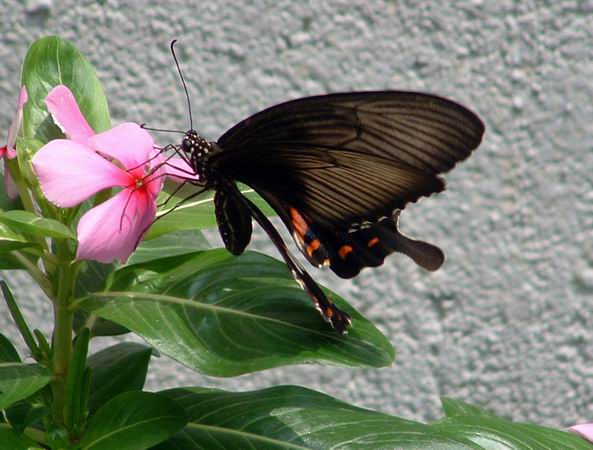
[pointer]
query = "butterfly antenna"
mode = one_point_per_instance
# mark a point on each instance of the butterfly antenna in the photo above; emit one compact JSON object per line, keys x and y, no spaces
{"x":143,"y":126}
{"x":191,"y":122}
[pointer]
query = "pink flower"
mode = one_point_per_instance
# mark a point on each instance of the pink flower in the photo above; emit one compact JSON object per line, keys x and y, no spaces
{"x":9,"y":150}
{"x":72,"y":170}
{"x":585,"y":430}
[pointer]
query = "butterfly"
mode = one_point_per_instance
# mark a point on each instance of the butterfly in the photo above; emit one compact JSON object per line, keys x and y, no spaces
{"x":337,"y":169}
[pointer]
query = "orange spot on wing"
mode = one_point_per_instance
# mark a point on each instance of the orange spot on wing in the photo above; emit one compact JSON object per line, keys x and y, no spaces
{"x":345,"y":250}
{"x":314,"y":245}
{"x":373,"y":241}
{"x":299,"y":225}
{"x":329,"y":313}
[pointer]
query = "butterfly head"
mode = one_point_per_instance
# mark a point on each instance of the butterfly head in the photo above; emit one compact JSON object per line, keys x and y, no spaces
{"x":195,"y":145}
{"x":198,"y":151}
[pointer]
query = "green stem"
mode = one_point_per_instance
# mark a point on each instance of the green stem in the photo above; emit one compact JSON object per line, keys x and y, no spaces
{"x":39,"y":277}
{"x":62,"y":341}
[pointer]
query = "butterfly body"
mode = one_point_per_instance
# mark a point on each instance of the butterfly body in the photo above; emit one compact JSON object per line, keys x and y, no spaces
{"x":338,"y":169}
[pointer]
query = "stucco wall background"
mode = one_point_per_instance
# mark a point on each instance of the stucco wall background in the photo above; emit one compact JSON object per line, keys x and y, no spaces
{"x":507,"y":322}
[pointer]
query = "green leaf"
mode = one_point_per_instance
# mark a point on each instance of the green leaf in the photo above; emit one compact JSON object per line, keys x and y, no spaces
{"x":452,"y":407}
{"x":18,"y":381}
{"x":134,"y":420}
{"x":11,"y":262}
{"x":7,"y":351}
{"x":26,"y":149}
{"x":91,"y":278}
{"x":291,"y":417}
{"x":10,"y":440}
{"x":7,"y":203}
{"x":25,"y":413}
{"x":30,"y":223}
{"x":171,"y":244}
{"x":493,"y":433}
{"x":197,"y":213}
{"x":51,"y":61}
{"x":19,"y":320}
{"x":224,"y":315}
{"x":117,"y":369}
{"x":97,"y":325}
{"x":77,"y":384}
{"x":11,"y":239}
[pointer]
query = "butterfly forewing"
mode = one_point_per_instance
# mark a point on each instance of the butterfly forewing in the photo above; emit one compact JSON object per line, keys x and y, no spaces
{"x":337,"y":189}
{"x":427,"y":132}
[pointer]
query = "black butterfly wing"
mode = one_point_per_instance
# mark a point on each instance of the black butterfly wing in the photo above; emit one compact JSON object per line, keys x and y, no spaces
{"x":234,"y":220}
{"x":346,"y":253}
{"x":344,"y":163}
{"x":337,"y":188}
{"x":338,"y":319}
{"x":426,"y":132}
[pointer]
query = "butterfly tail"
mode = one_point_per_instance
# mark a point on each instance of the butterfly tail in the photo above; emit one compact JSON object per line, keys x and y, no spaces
{"x":338,"y":319}
{"x":426,"y":255}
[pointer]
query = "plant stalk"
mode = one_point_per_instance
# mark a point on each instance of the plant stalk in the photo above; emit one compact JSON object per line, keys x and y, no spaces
{"x":62,"y":340}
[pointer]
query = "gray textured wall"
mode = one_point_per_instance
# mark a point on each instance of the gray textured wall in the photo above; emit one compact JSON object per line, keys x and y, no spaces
{"x":508,"y":321}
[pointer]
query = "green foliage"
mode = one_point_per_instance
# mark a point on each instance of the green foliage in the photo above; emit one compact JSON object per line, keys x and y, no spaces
{"x":494,"y":433}
{"x":195,"y":214}
{"x":290,"y":417}
{"x":133,"y":421}
{"x":202,"y":308}
{"x":11,"y":440}
{"x":91,"y":278}
{"x":18,"y":381}
{"x":35,"y":225}
{"x":170,"y":244}
{"x":117,"y":369}
{"x":7,"y":203}
{"x":52,"y":61}
{"x":78,"y":385}
{"x":7,"y":351}
{"x":11,"y":239}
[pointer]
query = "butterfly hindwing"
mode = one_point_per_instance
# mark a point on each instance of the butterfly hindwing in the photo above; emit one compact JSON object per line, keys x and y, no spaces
{"x":338,"y":319}
{"x":347,"y":253}
{"x":369,"y":245}
{"x":234,"y":220}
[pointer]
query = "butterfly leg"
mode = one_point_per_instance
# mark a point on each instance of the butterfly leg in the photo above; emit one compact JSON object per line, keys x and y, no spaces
{"x":339,"y":320}
{"x":195,"y":194}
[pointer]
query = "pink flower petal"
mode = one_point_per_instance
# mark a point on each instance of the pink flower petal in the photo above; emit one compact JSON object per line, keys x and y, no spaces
{"x":66,"y":114}
{"x":113,"y":229}
{"x":178,"y":170}
{"x":69,"y":172}
{"x":154,"y":182}
{"x":9,"y":185}
{"x":23,"y":97}
{"x":15,"y":127}
{"x":585,"y":430}
{"x":131,"y":145}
